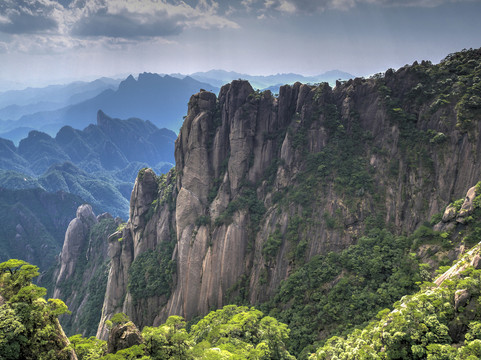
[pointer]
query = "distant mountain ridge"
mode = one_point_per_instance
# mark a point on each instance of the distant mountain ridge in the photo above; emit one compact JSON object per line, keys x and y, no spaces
{"x":160,"y":99}
{"x":17,"y":103}
{"x":221,"y":77}
{"x":99,"y":163}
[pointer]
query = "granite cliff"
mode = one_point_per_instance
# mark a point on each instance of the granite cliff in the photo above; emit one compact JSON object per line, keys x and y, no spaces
{"x":82,"y":269}
{"x":264,"y":183}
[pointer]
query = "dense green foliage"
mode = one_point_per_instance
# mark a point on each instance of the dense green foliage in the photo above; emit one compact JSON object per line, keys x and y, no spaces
{"x":151,"y":272}
{"x":335,"y":292}
{"x":229,"y":333}
{"x":29,"y":329}
{"x":431,"y":324}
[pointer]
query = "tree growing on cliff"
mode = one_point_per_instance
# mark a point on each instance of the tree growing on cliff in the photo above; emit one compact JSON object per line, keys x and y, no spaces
{"x":29,"y":327}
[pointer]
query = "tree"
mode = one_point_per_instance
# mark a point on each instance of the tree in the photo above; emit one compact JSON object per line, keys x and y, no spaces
{"x":29,"y":328}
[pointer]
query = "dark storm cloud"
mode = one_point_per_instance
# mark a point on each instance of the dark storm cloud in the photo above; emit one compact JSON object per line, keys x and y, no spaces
{"x":27,"y":17}
{"x":127,"y":25}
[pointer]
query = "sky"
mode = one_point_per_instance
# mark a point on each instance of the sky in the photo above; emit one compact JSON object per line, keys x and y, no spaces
{"x":56,"y":41}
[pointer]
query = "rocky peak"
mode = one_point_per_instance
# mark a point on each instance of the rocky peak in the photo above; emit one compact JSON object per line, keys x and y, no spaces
{"x":76,"y":238}
{"x":266,"y":183}
{"x":143,"y":193}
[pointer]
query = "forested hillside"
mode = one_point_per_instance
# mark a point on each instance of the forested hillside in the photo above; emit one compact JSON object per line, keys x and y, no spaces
{"x":269,"y":192}
{"x":330,"y":210}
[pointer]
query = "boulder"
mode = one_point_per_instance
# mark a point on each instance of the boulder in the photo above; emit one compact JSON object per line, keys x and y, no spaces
{"x":461,"y":298}
{"x":123,"y":336}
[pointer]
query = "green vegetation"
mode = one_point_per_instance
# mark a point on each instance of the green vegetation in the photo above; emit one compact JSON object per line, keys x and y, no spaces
{"x":430,"y":324}
{"x":151,"y":273}
{"x":34,"y":221}
{"x":332,"y":293}
{"x":86,"y":288}
{"x":247,"y":201}
{"x":229,"y":333}
{"x":29,"y":328}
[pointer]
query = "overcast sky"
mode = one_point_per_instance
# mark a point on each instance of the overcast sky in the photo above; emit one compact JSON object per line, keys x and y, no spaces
{"x":52,"y":41}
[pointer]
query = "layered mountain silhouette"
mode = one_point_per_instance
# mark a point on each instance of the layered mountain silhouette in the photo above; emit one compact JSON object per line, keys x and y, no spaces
{"x":17,"y":103}
{"x":160,"y":99}
{"x":99,"y":163}
{"x":269,"y":82}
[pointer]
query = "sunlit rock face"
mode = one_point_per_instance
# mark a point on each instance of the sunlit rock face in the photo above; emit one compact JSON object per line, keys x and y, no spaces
{"x":248,"y":164}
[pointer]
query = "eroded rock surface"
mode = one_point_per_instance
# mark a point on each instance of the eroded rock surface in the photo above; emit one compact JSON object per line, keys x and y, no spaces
{"x":239,"y":154}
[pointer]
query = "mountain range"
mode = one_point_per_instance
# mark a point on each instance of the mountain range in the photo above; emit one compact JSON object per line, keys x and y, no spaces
{"x":332,"y":210}
{"x":161,"y":99}
{"x":299,"y":204}
{"x":18,"y":103}
{"x":269,"y":82}
{"x":99,"y":163}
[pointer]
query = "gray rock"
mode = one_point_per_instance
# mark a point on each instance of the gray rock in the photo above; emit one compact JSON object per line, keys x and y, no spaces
{"x":468,"y":205}
{"x":231,"y":141}
{"x":449,"y":214}
{"x":461,"y":298}
{"x":123,"y":336}
{"x":76,"y":237}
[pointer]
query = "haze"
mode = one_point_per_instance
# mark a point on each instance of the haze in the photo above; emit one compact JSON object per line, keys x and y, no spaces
{"x":46,"y":41}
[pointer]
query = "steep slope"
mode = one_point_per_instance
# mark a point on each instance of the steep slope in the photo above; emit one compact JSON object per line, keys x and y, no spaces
{"x":33,"y":223}
{"x":442,"y":321}
{"x":82,"y":268}
{"x":263,"y":184}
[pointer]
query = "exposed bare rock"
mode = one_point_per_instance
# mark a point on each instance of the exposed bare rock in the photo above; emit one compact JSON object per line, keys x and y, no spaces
{"x":450,"y":213}
{"x":75,"y":239}
{"x":123,"y":336}
{"x":467,"y":207}
{"x":461,"y":298}
{"x":477,"y":261}
{"x":237,"y":154}
{"x":82,"y":269}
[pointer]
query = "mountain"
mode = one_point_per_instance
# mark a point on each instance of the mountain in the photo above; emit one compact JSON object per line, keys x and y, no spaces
{"x":160,"y":99}
{"x":269,"y":82}
{"x":99,"y":163}
{"x":18,"y":103}
{"x":85,"y":247}
{"x":439,"y":321}
{"x":15,"y":103}
{"x":268,"y":190}
{"x":33,"y":223}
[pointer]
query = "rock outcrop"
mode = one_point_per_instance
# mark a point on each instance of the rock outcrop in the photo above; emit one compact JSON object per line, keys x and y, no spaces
{"x":76,"y":238}
{"x":263,"y":183}
{"x":123,"y":336}
{"x":82,"y":269}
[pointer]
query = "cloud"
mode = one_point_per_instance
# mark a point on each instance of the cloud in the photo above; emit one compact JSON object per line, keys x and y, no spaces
{"x":127,"y":25}
{"x":28,"y":16}
{"x":143,"y":18}
{"x":129,"y":19}
{"x":317,"y":6}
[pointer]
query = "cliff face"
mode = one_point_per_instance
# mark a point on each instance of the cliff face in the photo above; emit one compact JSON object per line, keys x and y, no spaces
{"x":82,"y":269}
{"x":264,"y":183}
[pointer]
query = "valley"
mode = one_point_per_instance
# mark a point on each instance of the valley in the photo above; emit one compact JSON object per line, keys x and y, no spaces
{"x":310,"y":224}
